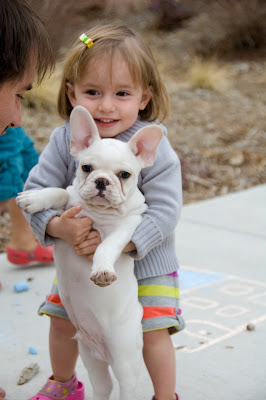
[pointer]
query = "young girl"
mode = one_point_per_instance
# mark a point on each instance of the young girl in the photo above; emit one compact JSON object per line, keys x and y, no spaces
{"x":112,"y":73}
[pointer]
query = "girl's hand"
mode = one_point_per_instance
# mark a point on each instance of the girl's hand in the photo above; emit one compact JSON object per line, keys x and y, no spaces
{"x":129,"y":247}
{"x":89,"y":245}
{"x":67,"y":227}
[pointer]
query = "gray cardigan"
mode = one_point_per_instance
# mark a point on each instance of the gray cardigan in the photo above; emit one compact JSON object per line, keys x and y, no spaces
{"x":161,"y":185}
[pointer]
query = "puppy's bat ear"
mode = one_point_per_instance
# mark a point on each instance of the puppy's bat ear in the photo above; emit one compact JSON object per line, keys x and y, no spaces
{"x":83,"y":130}
{"x":144,"y":144}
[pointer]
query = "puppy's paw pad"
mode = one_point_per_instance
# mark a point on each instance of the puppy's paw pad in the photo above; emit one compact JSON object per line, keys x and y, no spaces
{"x":103,"y":278}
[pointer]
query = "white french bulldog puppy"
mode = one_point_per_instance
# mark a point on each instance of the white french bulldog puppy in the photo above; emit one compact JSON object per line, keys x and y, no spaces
{"x":108,"y":320}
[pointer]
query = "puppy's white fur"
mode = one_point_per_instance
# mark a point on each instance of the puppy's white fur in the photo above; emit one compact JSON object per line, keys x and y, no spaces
{"x":108,"y":320}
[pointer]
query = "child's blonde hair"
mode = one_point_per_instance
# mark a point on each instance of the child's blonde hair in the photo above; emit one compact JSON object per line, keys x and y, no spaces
{"x":108,"y":39}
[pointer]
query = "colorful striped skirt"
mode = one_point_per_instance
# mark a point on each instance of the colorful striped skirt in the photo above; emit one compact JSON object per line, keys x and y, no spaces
{"x":159,"y":297}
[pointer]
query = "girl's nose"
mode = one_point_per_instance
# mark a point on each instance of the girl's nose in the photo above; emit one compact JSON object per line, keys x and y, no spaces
{"x":106,"y":104}
{"x":16,"y":116}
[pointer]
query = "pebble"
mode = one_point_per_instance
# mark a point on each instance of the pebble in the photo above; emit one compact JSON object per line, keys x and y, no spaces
{"x":27,"y":373}
{"x":250,"y":327}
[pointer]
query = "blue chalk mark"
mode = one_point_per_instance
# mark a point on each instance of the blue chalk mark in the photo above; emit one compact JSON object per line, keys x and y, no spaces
{"x":3,"y":339}
{"x":21,"y":286}
{"x":32,"y":350}
{"x":189,"y":279}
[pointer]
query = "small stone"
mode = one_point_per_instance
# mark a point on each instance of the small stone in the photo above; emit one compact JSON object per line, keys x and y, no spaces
{"x":250,"y":327}
{"x":237,"y":158}
{"x":179,"y":347}
{"x":203,"y":332}
{"x":27,"y":373}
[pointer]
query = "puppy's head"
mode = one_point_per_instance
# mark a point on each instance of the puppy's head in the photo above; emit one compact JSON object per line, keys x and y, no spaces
{"x":108,"y":168}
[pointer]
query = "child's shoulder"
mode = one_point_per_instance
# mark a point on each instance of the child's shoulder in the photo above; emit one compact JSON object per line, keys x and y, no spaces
{"x":126,"y":135}
{"x":61,"y":134}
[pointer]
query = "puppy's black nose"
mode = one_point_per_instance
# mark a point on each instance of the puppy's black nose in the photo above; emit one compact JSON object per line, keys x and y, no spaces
{"x":101,"y":183}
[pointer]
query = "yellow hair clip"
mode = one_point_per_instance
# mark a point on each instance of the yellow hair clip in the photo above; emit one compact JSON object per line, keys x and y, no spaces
{"x":87,"y":41}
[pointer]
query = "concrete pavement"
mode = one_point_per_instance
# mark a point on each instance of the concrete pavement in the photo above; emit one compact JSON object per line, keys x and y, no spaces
{"x":221,"y":246}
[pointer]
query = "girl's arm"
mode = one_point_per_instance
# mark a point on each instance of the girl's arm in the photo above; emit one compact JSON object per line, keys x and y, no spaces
{"x":56,"y":168}
{"x":162,"y":187}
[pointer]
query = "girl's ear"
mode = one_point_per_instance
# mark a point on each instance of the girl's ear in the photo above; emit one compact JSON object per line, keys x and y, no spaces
{"x":146,"y":96}
{"x":83,"y":130}
{"x":144,"y":144}
{"x":71,"y":94}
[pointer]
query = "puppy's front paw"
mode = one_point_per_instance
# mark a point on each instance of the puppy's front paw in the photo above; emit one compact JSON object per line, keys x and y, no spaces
{"x":30,"y":202}
{"x":103,"y":278}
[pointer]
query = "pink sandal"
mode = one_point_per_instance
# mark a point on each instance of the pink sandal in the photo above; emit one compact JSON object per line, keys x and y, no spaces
{"x":40,"y":254}
{"x":71,"y":390}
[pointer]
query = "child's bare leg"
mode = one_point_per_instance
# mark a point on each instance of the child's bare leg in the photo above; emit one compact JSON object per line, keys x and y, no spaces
{"x":63,"y":348}
{"x":159,"y":357}
{"x":3,"y":207}
{"x":22,"y":237}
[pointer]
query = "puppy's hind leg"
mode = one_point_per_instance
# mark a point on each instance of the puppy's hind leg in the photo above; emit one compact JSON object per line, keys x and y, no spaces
{"x":126,"y":353}
{"x":98,"y":372}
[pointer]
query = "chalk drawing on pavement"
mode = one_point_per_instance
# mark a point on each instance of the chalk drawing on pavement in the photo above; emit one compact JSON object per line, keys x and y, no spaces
{"x":216,"y":307}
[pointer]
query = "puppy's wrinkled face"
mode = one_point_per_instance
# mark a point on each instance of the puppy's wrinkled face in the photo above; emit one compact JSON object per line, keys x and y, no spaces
{"x":107,"y":173}
{"x":109,"y":168}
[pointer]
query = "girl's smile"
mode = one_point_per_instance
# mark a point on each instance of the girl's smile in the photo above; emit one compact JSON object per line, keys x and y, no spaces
{"x":105,"y":123}
{"x":110,"y":95}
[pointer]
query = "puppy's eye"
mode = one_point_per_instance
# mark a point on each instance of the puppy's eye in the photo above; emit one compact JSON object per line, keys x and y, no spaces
{"x":86,"y":168}
{"x":123,"y":175}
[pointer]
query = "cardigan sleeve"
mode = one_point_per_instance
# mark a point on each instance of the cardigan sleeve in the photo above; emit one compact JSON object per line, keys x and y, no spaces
{"x":161,"y":185}
{"x":51,"y":171}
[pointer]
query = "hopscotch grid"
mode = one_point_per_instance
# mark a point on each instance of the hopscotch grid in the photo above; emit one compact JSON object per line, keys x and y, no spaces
{"x":254,"y":298}
{"x":230,"y":332}
{"x":229,"y":335}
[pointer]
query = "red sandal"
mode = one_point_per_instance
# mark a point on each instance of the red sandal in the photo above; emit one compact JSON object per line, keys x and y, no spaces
{"x":41,"y":255}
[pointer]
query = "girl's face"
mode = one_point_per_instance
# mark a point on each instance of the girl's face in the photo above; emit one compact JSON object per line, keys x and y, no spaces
{"x":11,"y":94}
{"x":113,"y":99}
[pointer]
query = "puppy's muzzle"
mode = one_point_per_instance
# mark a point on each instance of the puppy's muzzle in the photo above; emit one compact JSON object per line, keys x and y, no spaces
{"x":101,"y":184}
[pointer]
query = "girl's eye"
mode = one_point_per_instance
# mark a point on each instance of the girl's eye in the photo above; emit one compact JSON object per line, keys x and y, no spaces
{"x":122,"y":93}
{"x":123,"y":175}
{"x":86,"y":168}
{"x":92,"y":92}
{"x":20,"y":97}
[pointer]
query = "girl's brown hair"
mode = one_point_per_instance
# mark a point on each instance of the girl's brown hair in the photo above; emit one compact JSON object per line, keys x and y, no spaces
{"x":108,"y":39}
